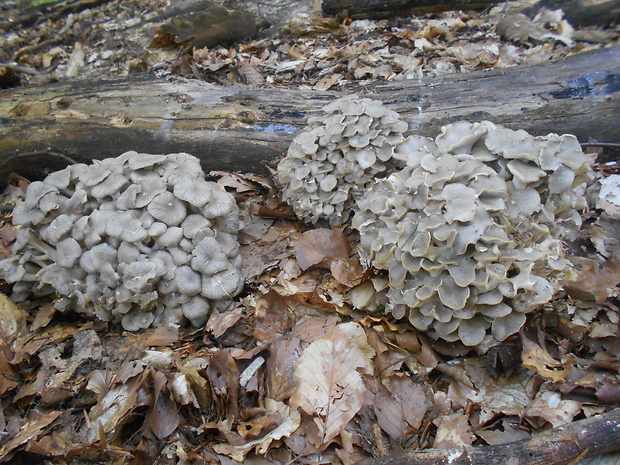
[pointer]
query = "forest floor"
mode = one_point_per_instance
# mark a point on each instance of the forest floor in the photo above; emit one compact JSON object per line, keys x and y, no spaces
{"x":77,"y":389}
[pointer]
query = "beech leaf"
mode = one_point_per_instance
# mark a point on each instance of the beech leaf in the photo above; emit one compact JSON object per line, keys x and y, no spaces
{"x":318,"y":247}
{"x":329,"y":385}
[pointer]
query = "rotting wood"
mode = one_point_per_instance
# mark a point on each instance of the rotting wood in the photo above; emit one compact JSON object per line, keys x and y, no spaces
{"x":241,"y":128}
{"x":391,"y":8}
{"x":578,"y":12}
{"x":581,"y":439}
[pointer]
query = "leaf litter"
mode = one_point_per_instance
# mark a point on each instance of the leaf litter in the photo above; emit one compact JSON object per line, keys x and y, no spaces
{"x":304,"y":369}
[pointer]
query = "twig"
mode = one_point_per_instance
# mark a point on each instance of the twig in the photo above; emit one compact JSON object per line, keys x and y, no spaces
{"x":600,"y":144}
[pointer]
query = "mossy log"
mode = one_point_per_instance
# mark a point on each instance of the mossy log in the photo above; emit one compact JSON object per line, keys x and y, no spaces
{"x":241,"y":128}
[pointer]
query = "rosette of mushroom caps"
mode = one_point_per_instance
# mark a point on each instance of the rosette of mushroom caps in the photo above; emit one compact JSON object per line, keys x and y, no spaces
{"x":467,"y":226}
{"x":141,"y":239}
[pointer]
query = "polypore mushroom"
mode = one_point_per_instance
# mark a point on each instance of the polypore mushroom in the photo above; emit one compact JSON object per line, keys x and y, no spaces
{"x":467,"y":226}
{"x":478,"y":250}
{"x":331,"y":163}
{"x":121,"y":240}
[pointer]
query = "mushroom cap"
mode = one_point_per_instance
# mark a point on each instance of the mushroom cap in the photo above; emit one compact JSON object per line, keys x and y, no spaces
{"x":167,"y":208}
{"x":222,"y":285}
{"x":195,"y":191}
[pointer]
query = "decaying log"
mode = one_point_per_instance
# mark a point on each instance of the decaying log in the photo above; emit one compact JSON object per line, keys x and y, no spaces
{"x":391,"y":8}
{"x":561,"y":446}
{"x":578,"y":12}
{"x":239,"y":128}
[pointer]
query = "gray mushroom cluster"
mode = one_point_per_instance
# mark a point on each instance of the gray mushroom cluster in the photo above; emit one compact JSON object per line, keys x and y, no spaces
{"x":141,"y":239}
{"x":330,"y":164}
{"x":469,"y":226}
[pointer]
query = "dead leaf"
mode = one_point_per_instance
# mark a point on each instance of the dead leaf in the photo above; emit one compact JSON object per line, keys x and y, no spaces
{"x":277,"y":413}
{"x":400,"y":407}
{"x":503,"y":433}
{"x":347,"y":271}
{"x":599,"y":282}
{"x":163,"y":418}
{"x":551,"y":407}
{"x":453,"y":431}
{"x":318,"y":247}
{"x":272,"y":315}
{"x":12,"y":323}
{"x":31,"y":430}
{"x":537,"y":359}
{"x":284,"y":353}
{"x":113,"y":410}
{"x":219,"y":323}
{"x":329,"y":385}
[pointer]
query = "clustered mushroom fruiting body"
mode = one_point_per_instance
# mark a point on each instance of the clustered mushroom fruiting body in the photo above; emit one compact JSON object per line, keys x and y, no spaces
{"x":331,"y":163}
{"x":141,"y":239}
{"x":469,"y":229}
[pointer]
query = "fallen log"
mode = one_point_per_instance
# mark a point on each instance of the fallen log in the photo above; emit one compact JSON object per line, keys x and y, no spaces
{"x":241,"y":128}
{"x":578,"y":12}
{"x":566,"y":445}
{"x":391,"y":8}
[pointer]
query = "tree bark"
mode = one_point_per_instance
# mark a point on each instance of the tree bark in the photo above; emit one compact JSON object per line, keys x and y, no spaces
{"x":562,"y":446}
{"x":242,"y":128}
{"x":391,"y":8}
{"x":578,"y":12}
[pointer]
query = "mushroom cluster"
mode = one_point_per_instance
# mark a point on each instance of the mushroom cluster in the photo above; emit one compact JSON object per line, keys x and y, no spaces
{"x":470,"y":230}
{"x":331,"y":163}
{"x":141,"y":239}
{"x":469,"y":226}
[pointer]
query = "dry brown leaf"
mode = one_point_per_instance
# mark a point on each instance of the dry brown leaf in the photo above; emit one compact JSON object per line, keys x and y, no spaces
{"x":284,"y":353}
{"x":31,"y":430}
{"x":223,"y":373}
{"x":400,"y":407}
{"x":287,"y":421}
{"x":453,"y":431}
{"x":537,"y":359}
{"x":310,"y":329}
{"x":272,"y":317}
{"x":599,"y":282}
{"x":329,"y":386}
{"x":503,"y":433}
{"x":318,"y":247}
{"x":163,"y":418}
{"x":113,"y":410}
{"x":551,"y":407}
{"x":12,"y":322}
{"x":347,"y":271}
{"x":219,"y":323}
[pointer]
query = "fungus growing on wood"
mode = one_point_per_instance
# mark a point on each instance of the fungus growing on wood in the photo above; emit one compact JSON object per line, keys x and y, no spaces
{"x":122,"y":240}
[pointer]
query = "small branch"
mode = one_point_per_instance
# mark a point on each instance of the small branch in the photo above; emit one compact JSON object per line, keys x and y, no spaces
{"x":581,"y":439}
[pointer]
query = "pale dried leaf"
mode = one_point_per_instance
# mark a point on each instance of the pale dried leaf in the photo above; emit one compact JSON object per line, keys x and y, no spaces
{"x":12,"y":322}
{"x":537,"y":359}
{"x":290,"y":420}
{"x":328,"y":383}
{"x":29,"y":431}
{"x":283,"y":356}
{"x":318,"y":247}
{"x":453,"y":431}
{"x":401,"y":408}
{"x":164,"y":417}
